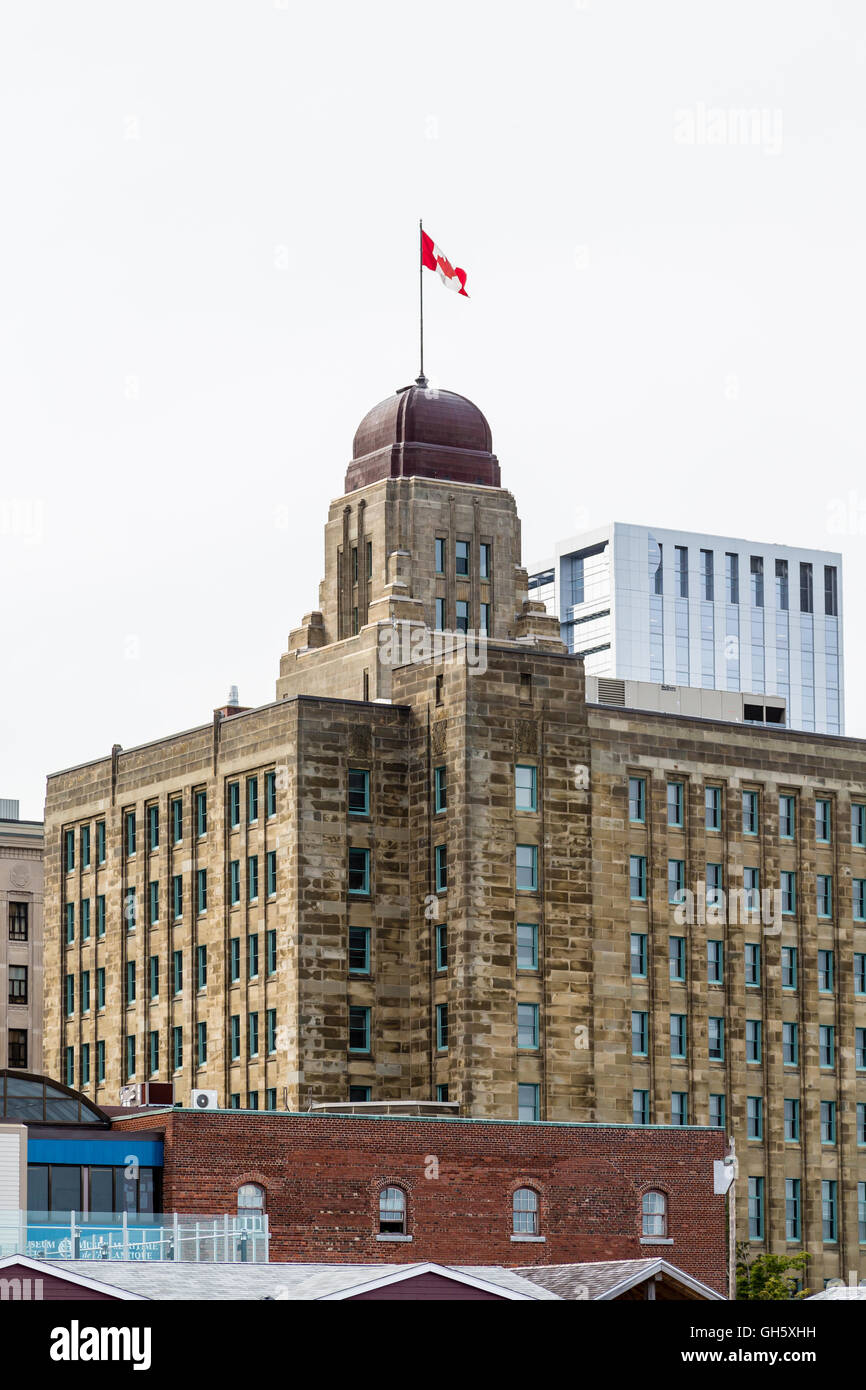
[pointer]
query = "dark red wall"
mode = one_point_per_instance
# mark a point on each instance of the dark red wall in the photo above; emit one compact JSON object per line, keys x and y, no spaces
{"x":54,"y":1289}
{"x":323,"y":1173}
{"x":426,"y":1286}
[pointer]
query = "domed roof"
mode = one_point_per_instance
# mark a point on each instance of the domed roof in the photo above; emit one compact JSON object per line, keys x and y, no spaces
{"x":421,"y":415}
{"x":423,"y":432}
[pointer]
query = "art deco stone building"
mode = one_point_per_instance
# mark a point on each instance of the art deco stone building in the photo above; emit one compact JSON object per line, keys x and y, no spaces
{"x":20,"y":939}
{"x":443,"y":875}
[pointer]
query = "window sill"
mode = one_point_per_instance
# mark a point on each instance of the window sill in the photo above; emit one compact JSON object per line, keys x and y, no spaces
{"x":529,"y":1240}
{"x":656,"y":1240}
{"x":388,"y":1236}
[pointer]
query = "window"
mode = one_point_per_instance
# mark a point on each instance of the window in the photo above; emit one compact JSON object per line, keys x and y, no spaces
{"x":153,"y":903}
{"x":717,"y":1111}
{"x":440,"y":790}
{"x":527,"y":1026}
{"x":678,"y":1035}
{"x":442,"y":1027}
{"x":681,"y":562}
{"x":732,"y":578}
{"x":790,"y":1044}
{"x":750,"y":813}
{"x":858,"y":825}
{"x":252,"y":800}
{"x":69,"y":995}
{"x":100,"y":1061}
{"x":359,"y":1029}
{"x":792,"y":1120}
{"x":787,"y":817}
{"x":752,"y":889}
{"x":825,"y":972}
{"x":392,"y":1211}
{"x":100,"y":987}
{"x":100,"y":842}
{"x":638,"y":955}
{"x":440,"y":555}
{"x":271,"y":951}
{"x":270,"y":794}
{"x":858,"y":899}
{"x":861,"y":1123}
{"x":85,"y":1064}
{"x":235,"y":1037}
{"x":85,"y":919}
{"x":639,"y":1034}
{"x":860,"y":1048}
{"x":525,"y":788}
{"x":177,"y":896}
{"x":484,"y":550}
{"x":716,"y":1039}
{"x":234,"y":882}
{"x":526,"y":858}
{"x":528,"y":1105}
{"x":859,"y":972}
{"x":822,"y":821}
{"x":251,"y":1205}
{"x":177,"y":820}
{"x":441,"y":946}
{"x":201,"y":814}
{"x":524,"y":1212}
{"x":234,"y":805}
{"x":19,"y":929}
{"x":675,"y":803}
{"x":715,"y":962}
{"x":154,"y":1051}
{"x":153,"y":827}
{"x":676,"y":880}
{"x":654,"y":1214}
{"x":234,"y":960}
{"x":253,"y":877}
{"x":753,"y":1040}
{"x":69,"y":854}
{"x":201,"y":890}
{"x":18,"y":1048}
{"x":806,"y":605}
{"x":176,"y":1048}
{"x":85,"y":846}
{"x":640,"y":1110}
{"x":828,"y":1211}
{"x":70,"y":923}
{"x":637,"y":878}
{"x":253,"y":956}
{"x":201,"y":967}
{"x":792,"y":1209}
{"x":828,"y":1122}
{"x":154,"y":976}
{"x":825,"y":895}
{"x":713,"y":808}
{"x":756,"y":1208}
{"x":359,"y":871}
{"x":462,"y":559}
{"x":130,"y":982}
{"x":18,"y":985}
{"x":359,"y":950}
{"x":714,"y":885}
{"x":130,"y":833}
{"x":130,"y":909}
{"x":441,"y":1092}
{"x":826,"y":1046}
{"x":707,"y":576}
{"x":484,"y":624}
{"x":130,"y":1056}
{"x":754,"y":1117}
{"x":677,"y":957}
{"x":788,"y":884}
{"x":271,"y":872}
{"x":753,"y":963}
{"x":359,"y":792}
{"x":462,"y":614}
{"x":440,"y":626}
{"x":637,"y":800}
{"x":253,"y":1034}
{"x":201,"y":1044}
{"x":679,"y":1108}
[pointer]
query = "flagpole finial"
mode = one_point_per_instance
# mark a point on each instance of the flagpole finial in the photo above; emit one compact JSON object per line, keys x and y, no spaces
{"x":422,"y":381}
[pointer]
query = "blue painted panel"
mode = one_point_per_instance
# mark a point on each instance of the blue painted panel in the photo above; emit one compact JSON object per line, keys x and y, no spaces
{"x":110,"y":1153}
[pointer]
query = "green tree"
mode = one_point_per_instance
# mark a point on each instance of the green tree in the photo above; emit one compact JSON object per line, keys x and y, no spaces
{"x":767,"y":1277}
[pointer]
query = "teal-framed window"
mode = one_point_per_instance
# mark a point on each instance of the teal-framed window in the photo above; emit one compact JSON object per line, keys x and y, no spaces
{"x":756,"y":1208}
{"x":359,"y":791}
{"x":235,"y":1100}
{"x":153,"y":1050}
{"x":70,"y":1066}
{"x":825,"y":972}
{"x":252,"y":800}
{"x":462,"y":551}
{"x":823,"y":820}
{"x":85,"y":919}
{"x":441,"y":946}
{"x":526,"y":868}
{"x":177,"y":972}
{"x":676,"y":880}
{"x":715,"y":962}
{"x":271,"y":950}
{"x":234,"y":805}
{"x":751,"y":812}
{"x":177,"y":820}
{"x":714,"y":885}
{"x":201,"y":814}
{"x":829,"y":1212}
{"x":441,"y":1027}
{"x":235,"y":1037}
{"x":130,"y":909}
{"x":100,"y":1061}
{"x":440,"y":790}
{"x":359,"y":872}
{"x":754,"y":1117}
{"x":70,"y":923}
{"x":253,"y":1034}
{"x":271,"y":1098}
{"x":754,"y":1040}
{"x":859,"y":972}
{"x":153,"y":901}
{"x":640,"y":1108}
{"x":439,"y":558}
{"x":790,"y":1043}
{"x":85,"y":1064}
{"x":69,"y":995}
{"x":637,"y":800}
{"x":201,"y":1044}
{"x":638,"y":955}
{"x":751,"y":889}
{"x":679,"y":1108}
{"x":153,"y":827}
{"x":716,"y":1039}
{"x":100,"y":916}
{"x":858,"y":899}
{"x":826,"y":1046}
{"x":677,"y":958}
{"x":639,"y":1033}
{"x":201,"y":967}
{"x":100,"y":987}
{"x":234,"y":960}
{"x":69,"y":852}
{"x":713,"y":808}
{"x":858,"y":824}
{"x":271,"y":1030}
{"x":825,"y":895}
{"x":789,"y":967}
{"x":793,"y":1210}
{"x":791,"y":1117}
{"x":253,"y":878}
{"x":788,"y":886}
{"x":676,"y":804}
{"x":527,"y":1027}
{"x":177,"y":896}
{"x":271,"y":872}
{"x":861,"y":1124}
{"x":85,"y":846}
{"x":359,"y":1028}
{"x":130,"y":1056}
{"x":828,"y":1121}
{"x":787,"y":816}
{"x":461,"y":608}
{"x":201,"y":890}
{"x":528,"y":1101}
{"x":525,"y":787}
{"x":176,"y":1048}
{"x":84,"y":989}
{"x":100,"y":842}
{"x":860,"y":1049}
{"x":679,"y":1041}
{"x":718,"y":1110}
{"x":270,"y":794}
{"x":484,"y":553}
{"x":359,"y":950}
{"x":153,"y":971}
{"x":752,"y":952}
{"x":130,"y":833}
{"x":253,"y":955}
{"x":440,"y":860}
{"x":234,"y":882}
{"x":359,"y":1095}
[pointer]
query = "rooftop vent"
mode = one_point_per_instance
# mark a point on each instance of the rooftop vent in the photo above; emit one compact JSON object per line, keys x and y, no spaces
{"x":610,"y":692}
{"x":8,"y":809}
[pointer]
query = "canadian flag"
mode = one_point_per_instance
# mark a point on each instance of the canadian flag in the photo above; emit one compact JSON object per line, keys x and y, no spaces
{"x":435,"y":259}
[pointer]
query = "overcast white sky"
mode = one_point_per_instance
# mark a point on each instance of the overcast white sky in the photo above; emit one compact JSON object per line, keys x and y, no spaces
{"x":208,"y":273}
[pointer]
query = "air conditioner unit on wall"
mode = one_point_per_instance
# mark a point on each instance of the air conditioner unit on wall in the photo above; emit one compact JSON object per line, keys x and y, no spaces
{"x":147,"y":1093}
{"x":204,"y":1100}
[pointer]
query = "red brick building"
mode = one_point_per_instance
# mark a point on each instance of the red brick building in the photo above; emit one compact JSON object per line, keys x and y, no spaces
{"x":367,"y":1188}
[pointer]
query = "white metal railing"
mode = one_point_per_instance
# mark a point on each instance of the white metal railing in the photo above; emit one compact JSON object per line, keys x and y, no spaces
{"x":123,"y":1236}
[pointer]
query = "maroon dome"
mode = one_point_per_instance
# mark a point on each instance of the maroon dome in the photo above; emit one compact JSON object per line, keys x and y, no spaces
{"x":422,"y":432}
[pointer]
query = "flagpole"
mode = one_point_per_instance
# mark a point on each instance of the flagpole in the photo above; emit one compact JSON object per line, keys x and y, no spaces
{"x":421,"y":379}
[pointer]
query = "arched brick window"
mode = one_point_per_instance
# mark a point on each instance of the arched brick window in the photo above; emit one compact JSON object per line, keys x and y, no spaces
{"x":392,"y":1211}
{"x":251,"y":1204}
{"x":524,"y":1212}
{"x":655,"y":1214}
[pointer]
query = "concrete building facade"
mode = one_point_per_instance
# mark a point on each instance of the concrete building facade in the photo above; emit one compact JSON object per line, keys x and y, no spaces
{"x":20,"y":939}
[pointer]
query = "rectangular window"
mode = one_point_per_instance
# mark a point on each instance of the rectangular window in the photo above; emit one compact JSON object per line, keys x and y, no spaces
{"x":675,"y":803}
{"x":716,"y":1039}
{"x":753,"y":963}
{"x":359,"y":791}
{"x":462,"y":559}
{"x":440,"y":790}
{"x":100,"y":915}
{"x":793,"y":1225}
{"x":787,"y":817}
{"x":201,"y":967}
{"x":177,"y":820}
{"x":637,"y":800}
{"x":525,"y":788}
{"x":822,"y":821}
{"x":271,"y":1030}
{"x":271,"y":948}
{"x":750,"y":813}
{"x":677,"y":957}
{"x":271,"y":1098}
{"x":527,"y":1026}
{"x":359,"y":950}
{"x":253,"y":878}
{"x":860,"y":1048}
{"x":100,"y":987}
{"x":528,"y":1107}
{"x":753,"y":1040}
{"x":234,"y":805}
{"x":790,"y":1044}
{"x":637,"y":877}
{"x":130,"y":1056}
{"x":234,"y":882}
{"x":235,"y":1037}
{"x":462,"y":614}
{"x":440,"y":619}
{"x":639,"y":1034}
{"x":732,"y":577}
{"x":717,"y":1110}
{"x":678,"y":1035}
{"x":154,"y":1052}
{"x":484,"y":625}
{"x":792,"y":1120}
{"x":19,"y":921}
{"x":153,"y":827}
{"x":825,"y":895}
{"x":18,"y":1048}
{"x":442,"y":1027}
{"x":859,"y":972}
{"x":130,"y":909}
{"x":440,"y":555}
{"x":640,"y":1107}
{"x":715,"y":886}
{"x":100,"y":1061}
{"x":713,"y":806}
{"x":752,"y":889}
{"x":707,"y":575}
{"x":100,"y":842}
{"x":359,"y":871}
{"x":526,"y":862}
{"x":69,"y":995}
{"x":253,"y":955}
{"x":201,"y":814}
{"x":441,"y":935}
{"x":679,"y":1108}
{"x":234,"y":959}
{"x":85,"y":919}
{"x":130,"y":833}
{"x":359,"y":1029}
{"x":252,"y":800}
{"x":69,"y":854}
{"x":177,"y":971}
{"x":638,"y":955}
{"x":177,"y":896}
{"x":270,"y":794}
{"x":788,"y":885}
{"x":154,"y":977}
{"x":271,"y":872}
{"x":676,"y":880}
{"x":829,"y":1227}
{"x":861,"y":1123}
{"x":806,"y":595}
{"x":858,"y":899}
{"x":201,"y":1044}
{"x":681,"y":562}
{"x":201,"y":890}
{"x":825,"y":972}
{"x":153,"y":905}
{"x":715,"y":962}
{"x":70,"y":923}
{"x":484,"y":559}
{"x":828,"y":1122}
{"x":176,"y":1049}
{"x":754,"y":1117}
{"x":85,"y":846}
{"x":858,"y":825}
{"x":826,"y":1046}
{"x":756,"y":1208}
{"x":70,"y":1066}
{"x":253,"y":1034}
